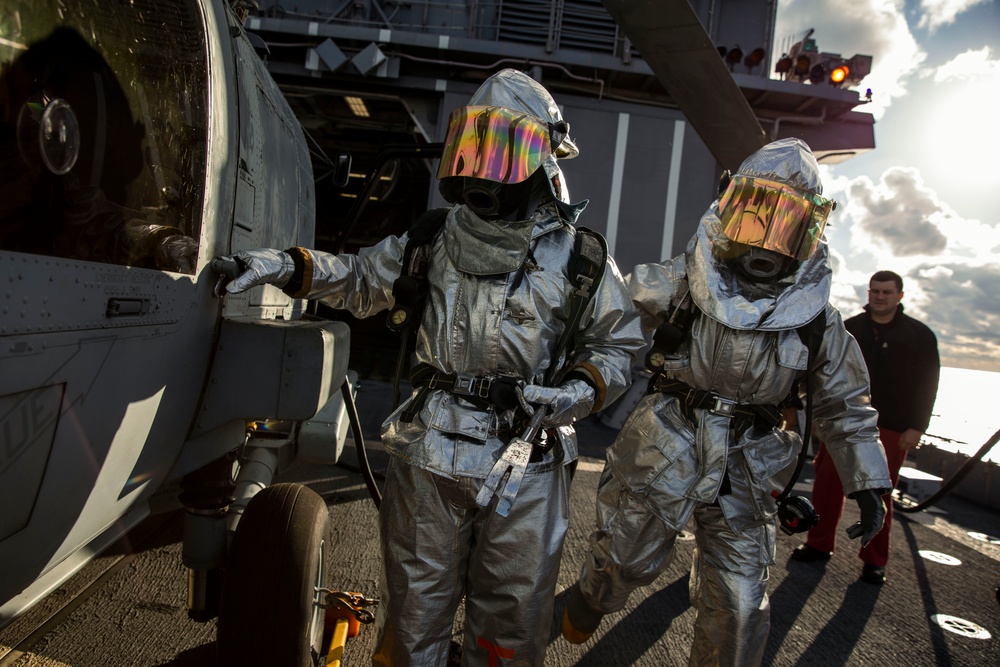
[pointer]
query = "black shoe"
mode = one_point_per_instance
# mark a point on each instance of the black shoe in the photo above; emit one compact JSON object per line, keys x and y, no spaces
{"x":579,"y":621}
{"x":454,"y":655}
{"x":873,"y":574}
{"x":808,"y":554}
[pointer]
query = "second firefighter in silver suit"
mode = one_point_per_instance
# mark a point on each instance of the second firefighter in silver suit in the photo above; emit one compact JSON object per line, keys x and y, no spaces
{"x":704,"y":445}
{"x":499,"y":291}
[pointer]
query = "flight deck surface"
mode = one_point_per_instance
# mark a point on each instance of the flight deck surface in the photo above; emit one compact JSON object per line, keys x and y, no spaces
{"x":127,"y":608}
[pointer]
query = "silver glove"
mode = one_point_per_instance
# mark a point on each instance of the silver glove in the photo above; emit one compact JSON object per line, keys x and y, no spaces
{"x":568,"y":402}
{"x":260,"y":267}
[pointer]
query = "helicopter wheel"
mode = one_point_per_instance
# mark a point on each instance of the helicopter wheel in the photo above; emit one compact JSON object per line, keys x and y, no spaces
{"x":270,"y":612}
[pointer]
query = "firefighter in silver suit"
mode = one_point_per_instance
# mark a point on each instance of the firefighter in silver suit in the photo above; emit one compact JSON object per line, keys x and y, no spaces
{"x":705,"y":444}
{"x":498,"y":302}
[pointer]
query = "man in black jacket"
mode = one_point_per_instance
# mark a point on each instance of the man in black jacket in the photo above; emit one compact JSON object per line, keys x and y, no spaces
{"x":902,"y":358}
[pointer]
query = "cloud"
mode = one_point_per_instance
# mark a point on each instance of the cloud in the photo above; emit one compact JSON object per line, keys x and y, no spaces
{"x":873,"y":27}
{"x":899,"y":213}
{"x":848,"y":292}
{"x":972,"y":64}
{"x":936,"y":13}
{"x":899,"y":220}
{"x":958,"y":302}
{"x":903,"y":219}
{"x":948,"y":263}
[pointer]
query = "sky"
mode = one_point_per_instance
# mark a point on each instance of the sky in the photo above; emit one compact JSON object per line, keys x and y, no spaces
{"x":924,"y":202}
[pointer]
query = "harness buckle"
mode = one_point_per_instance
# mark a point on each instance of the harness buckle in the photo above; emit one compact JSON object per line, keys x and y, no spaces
{"x":464,"y":385}
{"x":723,"y":407}
{"x":586,"y":283}
{"x":484,"y":387}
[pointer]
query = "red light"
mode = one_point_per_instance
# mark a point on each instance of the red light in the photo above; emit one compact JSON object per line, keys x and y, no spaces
{"x":754,"y":58}
{"x":839,"y":75}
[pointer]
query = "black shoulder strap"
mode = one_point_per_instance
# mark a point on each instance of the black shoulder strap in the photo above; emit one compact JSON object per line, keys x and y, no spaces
{"x":409,"y":291}
{"x":586,"y":269}
{"x":422,"y":232}
{"x":410,"y":288}
{"x":673,"y":330}
{"x":590,"y":255}
{"x":811,"y":334}
{"x":427,"y":225}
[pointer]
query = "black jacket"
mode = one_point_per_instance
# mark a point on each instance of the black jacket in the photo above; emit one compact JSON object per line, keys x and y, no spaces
{"x":904,"y":366}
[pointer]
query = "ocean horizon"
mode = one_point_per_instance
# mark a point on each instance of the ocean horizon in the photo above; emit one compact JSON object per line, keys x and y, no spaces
{"x":966,"y":412}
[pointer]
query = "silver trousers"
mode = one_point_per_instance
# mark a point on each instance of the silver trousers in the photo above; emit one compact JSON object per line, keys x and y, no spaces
{"x":438,"y":546}
{"x":729,"y":572}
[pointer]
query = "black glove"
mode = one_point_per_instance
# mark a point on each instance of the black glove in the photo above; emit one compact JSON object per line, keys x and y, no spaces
{"x":872,"y":515}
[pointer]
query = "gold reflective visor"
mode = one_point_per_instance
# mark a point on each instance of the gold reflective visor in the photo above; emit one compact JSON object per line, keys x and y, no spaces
{"x":773,"y":215}
{"x":495,"y":144}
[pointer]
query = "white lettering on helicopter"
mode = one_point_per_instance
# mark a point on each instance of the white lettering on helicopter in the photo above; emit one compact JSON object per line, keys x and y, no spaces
{"x":26,"y":419}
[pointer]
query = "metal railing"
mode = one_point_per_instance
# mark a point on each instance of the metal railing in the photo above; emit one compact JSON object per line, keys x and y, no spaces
{"x":576,"y":24}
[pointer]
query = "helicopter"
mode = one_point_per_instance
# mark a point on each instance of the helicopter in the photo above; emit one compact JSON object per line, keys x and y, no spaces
{"x":138,"y":141}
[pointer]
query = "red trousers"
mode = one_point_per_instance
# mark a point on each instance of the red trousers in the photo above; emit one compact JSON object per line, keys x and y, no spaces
{"x":828,"y":499}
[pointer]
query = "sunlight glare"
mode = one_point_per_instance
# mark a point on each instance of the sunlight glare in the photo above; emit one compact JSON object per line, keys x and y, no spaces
{"x":959,"y":133}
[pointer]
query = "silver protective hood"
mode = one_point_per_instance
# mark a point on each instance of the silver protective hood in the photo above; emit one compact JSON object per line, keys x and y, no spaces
{"x":727,"y":296}
{"x":512,"y":89}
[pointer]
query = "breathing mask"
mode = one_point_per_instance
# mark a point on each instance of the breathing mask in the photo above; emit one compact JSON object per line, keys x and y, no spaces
{"x":760,"y":264}
{"x":487,"y":199}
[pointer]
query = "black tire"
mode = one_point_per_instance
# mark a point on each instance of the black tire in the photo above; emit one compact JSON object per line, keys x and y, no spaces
{"x":269,"y":613}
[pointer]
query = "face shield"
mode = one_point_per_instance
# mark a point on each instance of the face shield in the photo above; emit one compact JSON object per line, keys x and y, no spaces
{"x":494,"y":144}
{"x":773,"y":216}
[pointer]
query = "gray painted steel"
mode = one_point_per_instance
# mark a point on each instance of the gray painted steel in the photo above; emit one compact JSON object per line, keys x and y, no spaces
{"x":437,"y":54}
{"x":821,"y":614}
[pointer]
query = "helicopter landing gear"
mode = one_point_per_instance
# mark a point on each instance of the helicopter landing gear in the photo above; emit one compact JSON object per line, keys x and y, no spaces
{"x":272,"y":597}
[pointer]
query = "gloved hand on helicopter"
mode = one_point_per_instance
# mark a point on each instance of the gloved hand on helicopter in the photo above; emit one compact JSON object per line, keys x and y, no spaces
{"x":249,"y":268}
{"x":572,"y":400}
{"x":872,"y":515}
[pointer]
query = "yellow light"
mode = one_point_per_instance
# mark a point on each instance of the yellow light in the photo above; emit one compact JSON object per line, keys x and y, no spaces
{"x":357,"y":106}
{"x":839,"y":74}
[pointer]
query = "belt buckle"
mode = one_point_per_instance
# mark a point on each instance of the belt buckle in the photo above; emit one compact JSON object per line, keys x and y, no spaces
{"x":464,"y":384}
{"x":723,"y":407}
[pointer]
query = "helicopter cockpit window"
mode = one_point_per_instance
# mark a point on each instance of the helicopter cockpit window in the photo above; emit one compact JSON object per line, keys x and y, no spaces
{"x":103,"y":131}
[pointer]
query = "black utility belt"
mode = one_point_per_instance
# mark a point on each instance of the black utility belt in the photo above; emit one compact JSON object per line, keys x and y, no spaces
{"x":767,"y":416}
{"x":500,"y":391}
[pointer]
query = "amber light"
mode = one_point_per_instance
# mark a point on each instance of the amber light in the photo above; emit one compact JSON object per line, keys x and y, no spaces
{"x":802,"y":65}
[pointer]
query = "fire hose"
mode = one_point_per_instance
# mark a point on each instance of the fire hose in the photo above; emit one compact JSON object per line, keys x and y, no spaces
{"x":954,"y":480}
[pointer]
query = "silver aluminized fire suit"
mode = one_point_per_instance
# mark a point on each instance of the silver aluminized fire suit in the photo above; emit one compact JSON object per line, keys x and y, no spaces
{"x":666,"y":468}
{"x":438,"y":545}
{"x":500,"y":290}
